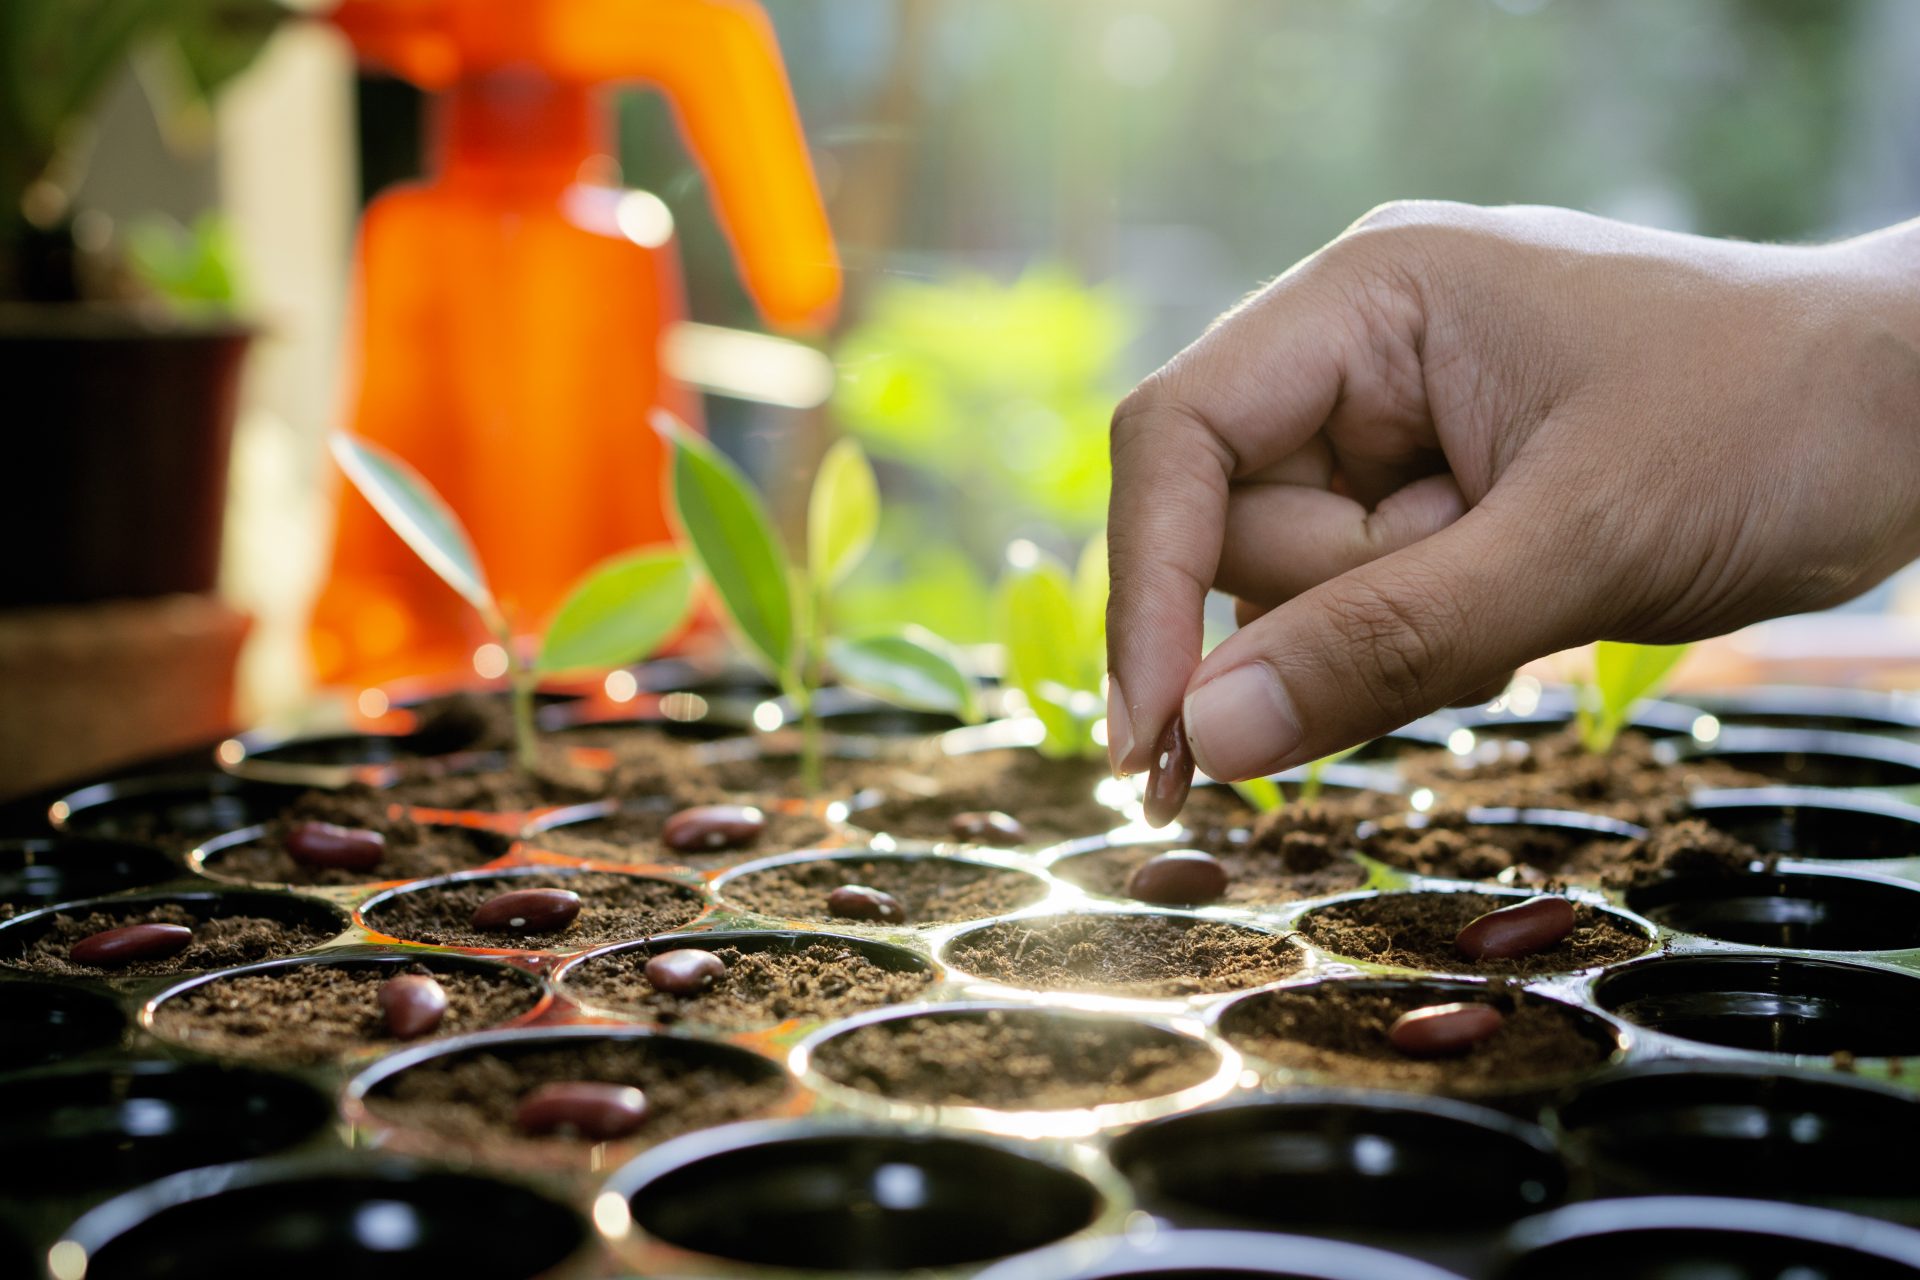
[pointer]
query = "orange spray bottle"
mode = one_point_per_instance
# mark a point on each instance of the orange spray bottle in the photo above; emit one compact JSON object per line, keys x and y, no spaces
{"x":511,"y":307}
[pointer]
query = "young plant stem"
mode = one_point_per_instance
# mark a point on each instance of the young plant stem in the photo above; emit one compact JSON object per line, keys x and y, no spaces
{"x":520,"y":682}
{"x":805,"y":684}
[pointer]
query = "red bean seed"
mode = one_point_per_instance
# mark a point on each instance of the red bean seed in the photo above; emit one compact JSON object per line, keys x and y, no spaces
{"x":1181,"y":877}
{"x":991,"y":827}
{"x":586,"y":1108}
{"x":709,"y":827}
{"x":1442,"y":1030}
{"x":686,"y":972}
{"x":1524,"y":929}
{"x":858,"y":902}
{"x":1170,"y":777}
{"x":528,"y":911}
{"x":130,"y":944}
{"x":413,"y":1004}
{"x":321,"y":844}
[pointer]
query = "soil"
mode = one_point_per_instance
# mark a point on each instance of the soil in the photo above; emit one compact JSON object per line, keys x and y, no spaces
{"x":217,"y":943}
{"x":315,"y":1012}
{"x":1052,"y":799}
{"x":632,"y":836}
{"x":414,"y":850}
{"x":1416,"y":931}
{"x":614,"y":908}
{"x":479,"y":720}
{"x":471,"y":1097}
{"x":1556,"y":772}
{"x":1260,"y":877}
{"x":933,"y":889}
{"x":1339,"y":1030}
{"x":644,"y":765}
{"x":817,"y":981}
{"x":1032,"y":1061}
{"x":1448,"y":847}
{"x":1150,"y":956}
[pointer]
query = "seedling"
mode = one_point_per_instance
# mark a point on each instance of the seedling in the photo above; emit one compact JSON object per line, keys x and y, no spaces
{"x":779,"y":611}
{"x":1263,"y":795}
{"x":619,"y":612}
{"x":1054,"y":628}
{"x":1623,"y":676}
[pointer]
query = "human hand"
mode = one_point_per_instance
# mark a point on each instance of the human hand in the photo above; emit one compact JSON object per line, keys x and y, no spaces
{"x":1457,"y":439}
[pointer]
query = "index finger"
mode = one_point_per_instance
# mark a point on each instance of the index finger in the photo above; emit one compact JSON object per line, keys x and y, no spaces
{"x":1253,"y":390}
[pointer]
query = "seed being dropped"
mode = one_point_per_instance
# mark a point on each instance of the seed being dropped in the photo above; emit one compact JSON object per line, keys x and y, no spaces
{"x":586,"y":1108}
{"x":1524,"y":929}
{"x":322,"y":844}
{"x":130,"y":944}
{"x":990,"y":827}
{"x":685,"y":972}
{"x":527,"y":911}
{"x":413,"y":1003}
{"x":1180,"y":877}
{"x":1171,"y":776}
{"x":1442,"y":1030}
{"x":707,"y":827}
{"x":858,"y":902}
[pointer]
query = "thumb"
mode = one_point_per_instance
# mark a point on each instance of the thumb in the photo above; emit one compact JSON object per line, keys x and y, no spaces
{"x":1385,"y":643}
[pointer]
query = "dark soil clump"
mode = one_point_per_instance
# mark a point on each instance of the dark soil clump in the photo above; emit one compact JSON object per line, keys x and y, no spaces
{"x":471,"y":1097}
{"x":217,"y":943}
{"x":1151,"y":956}
{"x":1691,"y":848}
{"x":316,"y":1012}
{"x":643,"y":766}
{"x":818,"y":981}
{"x":633,"y":836}
{"x":1031,"y":1061}
{"x":1557,"y":772}
{"x":414,"y":849}
{"x":1416,"y":931}
{"x":1339,"y":1030}
{"x":934,"y":890}
{"x":614,"y":908}
{"x":1447,"y":847}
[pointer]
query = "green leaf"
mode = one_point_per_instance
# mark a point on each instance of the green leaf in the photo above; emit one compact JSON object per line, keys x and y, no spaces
{"x":1623,"y":675}
{"x":414,"y":510}
{"x":1263,"y":795}
{"x":843,"y":513}
{"x":731,"y":536}
{"x":1038,"y":629}
{"x":619,"y":612}
{"x":912,"y":669}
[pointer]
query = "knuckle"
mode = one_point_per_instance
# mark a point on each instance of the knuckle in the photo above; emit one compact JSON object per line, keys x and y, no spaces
{"x":1395,"y":639}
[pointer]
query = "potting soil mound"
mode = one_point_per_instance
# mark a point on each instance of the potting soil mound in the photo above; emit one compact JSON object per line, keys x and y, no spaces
{"x":817,"y":981}
{"x":315,"y":1012}
{"x":471,"y":1097}
{"x":934,"y":890}
{"x":217,"y":943}
{"x":1149,"y":956}
{"x":1416,"y":931}
{"x":1557,"y":772}
{"x":1339,"y":1030}
{"x":1053,"y":799}
{"x":1031,"y":1061}
{"x":1446,"y":846}
{"x":614,"y":908}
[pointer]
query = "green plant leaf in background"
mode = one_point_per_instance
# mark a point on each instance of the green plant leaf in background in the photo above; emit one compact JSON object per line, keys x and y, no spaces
{"x":843,"y":514}
{"x":413,"y":509}
{"x":914,"y":669}
{"x":733,"y":539}
{"x":1039,"y":628}
{"x":1623,"y":675}
{"x":1262,"y":795}
{"x":619,"y":613}
{"x":189,"y":267}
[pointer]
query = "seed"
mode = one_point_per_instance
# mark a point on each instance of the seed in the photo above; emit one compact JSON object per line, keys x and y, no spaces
{"x":1171,"y":776}
{"x":1181,"y":877}
{"x":528,"y":911}
{"x":1520,"y":930}
{"x":713,"y":826}
{"x":130,"y":944}
{"x":686,"y":972}
{"x":1001,"y":830}
{"x":586,"y":1108}
{"x":321,"y":844}
{"x":413,"y":1004}
{"x":858,"y":902}
{"x":1442,"y":1030}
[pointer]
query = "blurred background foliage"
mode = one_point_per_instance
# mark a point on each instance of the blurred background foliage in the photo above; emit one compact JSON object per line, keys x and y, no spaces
{"x":1037,"y":204}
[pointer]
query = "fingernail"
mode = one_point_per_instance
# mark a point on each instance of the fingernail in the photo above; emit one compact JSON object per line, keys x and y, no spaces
{"x":1170,"y":778}
{"x":1240,"y":723}
{"x":1119,"y":729}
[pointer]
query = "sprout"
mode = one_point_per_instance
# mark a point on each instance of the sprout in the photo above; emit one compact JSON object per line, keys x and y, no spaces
{"x":618,"y":612}
{"x":779,"y":611}
{"x":1623,"y":676}
{"x":1054,"y":629}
